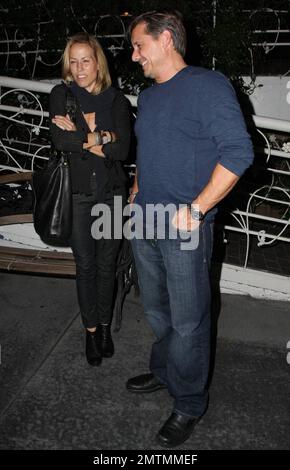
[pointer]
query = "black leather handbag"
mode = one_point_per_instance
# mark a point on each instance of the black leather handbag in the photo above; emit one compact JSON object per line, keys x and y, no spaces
{"x":52,"y":215}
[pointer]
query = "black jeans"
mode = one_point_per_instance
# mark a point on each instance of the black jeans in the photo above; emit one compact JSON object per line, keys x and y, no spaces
{"x":95,"y":262}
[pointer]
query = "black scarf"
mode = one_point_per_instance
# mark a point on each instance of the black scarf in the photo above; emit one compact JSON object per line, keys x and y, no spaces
{"x":89,"y":103}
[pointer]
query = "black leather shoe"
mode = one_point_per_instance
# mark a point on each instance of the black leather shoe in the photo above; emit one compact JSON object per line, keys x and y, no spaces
{"x":145,"y":383}
{"x":176,"y":430}
{"x":105,"y":341}
{"x":94,"y":356}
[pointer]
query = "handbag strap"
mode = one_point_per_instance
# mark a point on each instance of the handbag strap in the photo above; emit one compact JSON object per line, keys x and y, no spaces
{"x":71,"y":104}
{"x":71,"y":108}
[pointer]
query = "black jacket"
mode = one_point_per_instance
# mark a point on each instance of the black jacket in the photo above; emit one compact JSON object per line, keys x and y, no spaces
{"x":84,"y":163}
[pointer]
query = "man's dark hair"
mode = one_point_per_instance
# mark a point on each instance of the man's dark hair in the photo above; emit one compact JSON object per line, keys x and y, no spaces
{"x":157,"y":22}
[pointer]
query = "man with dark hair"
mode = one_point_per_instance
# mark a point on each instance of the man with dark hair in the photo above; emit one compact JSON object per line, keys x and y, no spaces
{"x":192,"y":149}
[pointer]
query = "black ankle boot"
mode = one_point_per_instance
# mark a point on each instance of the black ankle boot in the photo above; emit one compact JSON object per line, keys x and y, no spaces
{"x":93,"y":353}
{"x":105,"y":339}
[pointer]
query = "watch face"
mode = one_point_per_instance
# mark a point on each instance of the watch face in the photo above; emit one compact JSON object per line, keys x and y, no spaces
{"x":196,"y":214}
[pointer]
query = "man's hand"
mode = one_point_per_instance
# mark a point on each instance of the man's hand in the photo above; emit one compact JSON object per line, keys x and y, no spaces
{"x":182,"y":220}
{"x":64,"y":123}
{"x":132,"y":196}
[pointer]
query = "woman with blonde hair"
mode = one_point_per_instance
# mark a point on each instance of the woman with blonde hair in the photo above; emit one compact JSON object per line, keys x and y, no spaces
{"x":97,"y":140}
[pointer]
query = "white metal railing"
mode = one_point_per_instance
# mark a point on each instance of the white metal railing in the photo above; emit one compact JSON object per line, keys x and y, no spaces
{"x":243,"y":217}
{"x":32,"y":118}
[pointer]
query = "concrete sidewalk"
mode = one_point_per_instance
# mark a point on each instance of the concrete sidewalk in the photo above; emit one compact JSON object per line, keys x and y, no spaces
{"x":51,"y":399}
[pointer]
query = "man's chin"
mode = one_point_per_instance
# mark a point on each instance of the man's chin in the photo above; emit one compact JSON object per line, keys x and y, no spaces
{"x":147,"y":74}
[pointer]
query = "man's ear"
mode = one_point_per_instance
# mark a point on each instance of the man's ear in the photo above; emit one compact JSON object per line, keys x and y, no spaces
{"x":166,"y":39}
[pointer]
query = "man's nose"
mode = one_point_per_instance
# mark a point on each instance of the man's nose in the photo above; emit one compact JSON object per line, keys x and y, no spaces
{"x":135,"y":56}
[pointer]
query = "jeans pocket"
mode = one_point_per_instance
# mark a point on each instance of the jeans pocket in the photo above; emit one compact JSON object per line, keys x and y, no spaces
{"x":190,"y":239}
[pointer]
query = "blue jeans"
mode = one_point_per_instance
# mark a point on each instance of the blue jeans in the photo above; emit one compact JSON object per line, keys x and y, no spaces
{"x":176,"y":296}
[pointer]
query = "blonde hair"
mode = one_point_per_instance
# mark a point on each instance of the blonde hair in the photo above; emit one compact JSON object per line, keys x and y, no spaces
{"x":103,"y":77}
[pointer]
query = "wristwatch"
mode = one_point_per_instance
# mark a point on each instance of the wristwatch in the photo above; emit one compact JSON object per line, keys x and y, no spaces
{"x":195,"y":213}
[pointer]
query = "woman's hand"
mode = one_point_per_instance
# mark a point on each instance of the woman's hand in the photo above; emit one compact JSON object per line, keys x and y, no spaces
{"x":97,"y":150}
{"x":92,"y":147}
{"x":91,"y":141}
{"x":103,"y":136}
{"x":64,"y":123}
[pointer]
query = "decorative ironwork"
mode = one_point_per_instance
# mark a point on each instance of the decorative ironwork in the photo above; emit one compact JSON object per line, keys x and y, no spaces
{"x":25,"y":140}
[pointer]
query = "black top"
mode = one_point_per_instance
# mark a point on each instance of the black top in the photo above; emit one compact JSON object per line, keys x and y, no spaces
{"x":112,"y":113}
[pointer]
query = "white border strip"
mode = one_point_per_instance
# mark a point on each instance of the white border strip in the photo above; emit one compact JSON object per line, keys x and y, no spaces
{"x":258,"y":284}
